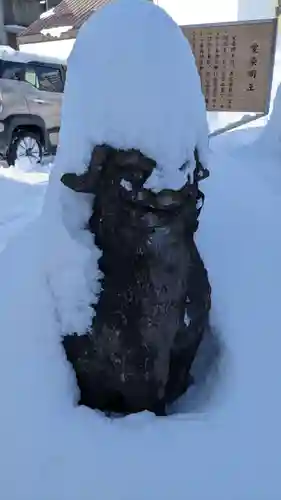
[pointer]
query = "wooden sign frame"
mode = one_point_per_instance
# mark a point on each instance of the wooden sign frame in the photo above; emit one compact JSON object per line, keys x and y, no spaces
{"x":235,"y":62}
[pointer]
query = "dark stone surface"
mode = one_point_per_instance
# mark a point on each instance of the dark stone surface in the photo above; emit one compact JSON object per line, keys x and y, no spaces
{"x":139,"y":352}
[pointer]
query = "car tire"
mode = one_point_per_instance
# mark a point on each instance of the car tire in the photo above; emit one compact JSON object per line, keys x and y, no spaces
{"x":29,"y":141}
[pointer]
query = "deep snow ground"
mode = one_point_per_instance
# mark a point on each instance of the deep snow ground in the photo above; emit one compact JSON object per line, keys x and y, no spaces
{"x":21,"y":198}
{"x":228,"y":447}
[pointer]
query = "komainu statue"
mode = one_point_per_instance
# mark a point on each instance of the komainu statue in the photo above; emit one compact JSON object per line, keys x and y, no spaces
{"x":155,"y":298}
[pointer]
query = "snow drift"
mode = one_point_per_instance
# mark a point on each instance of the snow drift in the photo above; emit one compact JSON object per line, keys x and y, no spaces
{"x":270,"y":139}
{"x":226,"y":446}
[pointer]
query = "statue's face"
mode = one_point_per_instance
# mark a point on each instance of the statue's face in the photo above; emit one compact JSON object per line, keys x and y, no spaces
{"x":111,"y":167}
{"x":124,"y":174}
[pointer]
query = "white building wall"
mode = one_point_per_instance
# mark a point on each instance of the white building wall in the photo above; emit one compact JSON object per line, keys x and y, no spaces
{"x":57,"y":48}
{"x":256,"y":9}
{"x":212,"y":11}
{"x":200,"y":11}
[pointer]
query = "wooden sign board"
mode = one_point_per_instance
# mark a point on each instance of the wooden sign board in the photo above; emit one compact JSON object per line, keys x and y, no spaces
{"x":235,"y":62}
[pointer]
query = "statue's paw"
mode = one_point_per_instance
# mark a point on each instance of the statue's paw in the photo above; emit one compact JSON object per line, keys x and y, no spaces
{"x":84,"y":183}
{"x":190,"y":381}
{"x":72,"y":181}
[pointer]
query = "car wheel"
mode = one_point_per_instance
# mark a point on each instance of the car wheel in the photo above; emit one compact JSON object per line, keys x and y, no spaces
{"x":25,"y":146}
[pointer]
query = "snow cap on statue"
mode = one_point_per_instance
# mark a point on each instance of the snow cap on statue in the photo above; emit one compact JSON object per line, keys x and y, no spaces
{"x":132,"y":82}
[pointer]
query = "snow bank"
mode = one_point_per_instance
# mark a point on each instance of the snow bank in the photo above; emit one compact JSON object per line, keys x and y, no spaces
{"x":267,"y":144}
{"x":21,"y":198}
{"x":225,"y":448}
{"x":271,"y":135}
{"x":138,"y":88}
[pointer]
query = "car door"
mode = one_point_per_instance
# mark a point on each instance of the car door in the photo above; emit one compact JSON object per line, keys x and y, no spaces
{"x":44,"y":95}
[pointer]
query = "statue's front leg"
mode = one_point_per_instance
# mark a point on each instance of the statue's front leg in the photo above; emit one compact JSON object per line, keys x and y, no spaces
{"x":180,"y":378}
{"x":190,"y":334}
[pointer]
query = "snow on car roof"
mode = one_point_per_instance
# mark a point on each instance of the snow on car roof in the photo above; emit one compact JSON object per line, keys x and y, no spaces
{"x":9,"y":54}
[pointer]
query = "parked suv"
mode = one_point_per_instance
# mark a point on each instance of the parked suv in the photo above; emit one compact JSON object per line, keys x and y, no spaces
{"x":31,"y":89}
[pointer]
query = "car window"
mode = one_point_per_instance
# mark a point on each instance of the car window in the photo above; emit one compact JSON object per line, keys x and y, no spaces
{"x":31,"y":77}
{"x":11,"y":70}
{"x":49,"y":79}
{"x":45,"y":78}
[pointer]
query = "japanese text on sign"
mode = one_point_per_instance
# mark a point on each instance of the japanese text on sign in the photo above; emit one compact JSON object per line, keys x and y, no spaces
{"x":235,"y":63}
